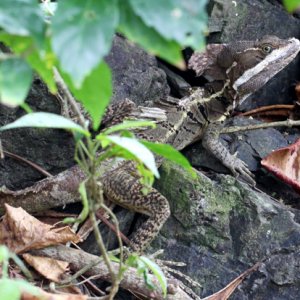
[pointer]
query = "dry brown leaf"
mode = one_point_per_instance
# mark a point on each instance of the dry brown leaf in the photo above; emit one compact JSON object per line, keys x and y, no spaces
{"x":21,"y":232}
{"x":49,"y":296}
{"x":284,"y":163}
{"x":50,"y":268}
{"x":225,"y":293}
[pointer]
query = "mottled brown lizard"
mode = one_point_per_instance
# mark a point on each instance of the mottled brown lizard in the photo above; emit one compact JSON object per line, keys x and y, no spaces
{"x":234,"y":72}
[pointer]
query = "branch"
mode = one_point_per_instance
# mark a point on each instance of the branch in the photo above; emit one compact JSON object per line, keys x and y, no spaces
{"x":287,"y":123}
{"x":78,"y":259}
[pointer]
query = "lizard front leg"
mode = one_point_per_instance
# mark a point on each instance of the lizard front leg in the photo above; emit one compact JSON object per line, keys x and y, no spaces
{"x":211,"y":142}
{"x":125,"y":190}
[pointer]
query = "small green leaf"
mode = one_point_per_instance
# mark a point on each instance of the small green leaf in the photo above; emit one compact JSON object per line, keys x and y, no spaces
{"x":138,"y":150}
{"x":95,"y":92}
{"x":129,"y":125}
{"x":155,"y":269}
{"x":113,"y":258}
{"x":45,"y":120}
{"x":15,"y":81}
{"x":182,"y":21}
{"x":291,"y":5}
{"x":23,"y":18}
{"x":170,"y":153}
{"x":4,"y":253}
{"x":11,"y":289}
{"x":43,"y":65}
{"x":135,"y":29}
{"x":82,"y":35}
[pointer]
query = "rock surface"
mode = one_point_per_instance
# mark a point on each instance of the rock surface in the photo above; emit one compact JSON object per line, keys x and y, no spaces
{"x":221,"y":228}
{"x":135,"y":74}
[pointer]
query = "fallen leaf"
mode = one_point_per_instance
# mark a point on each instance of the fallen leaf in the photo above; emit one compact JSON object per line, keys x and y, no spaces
{"x":21,"y":232}
{"x":284,"y":163}
{"x":225,"y":293}
{"x":50,"y":268}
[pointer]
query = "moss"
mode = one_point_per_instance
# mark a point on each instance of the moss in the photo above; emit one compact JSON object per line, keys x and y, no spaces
{"x":201,"y":206}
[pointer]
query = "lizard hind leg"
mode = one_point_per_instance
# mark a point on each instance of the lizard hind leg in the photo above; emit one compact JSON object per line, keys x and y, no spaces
{"x":125,"y":190}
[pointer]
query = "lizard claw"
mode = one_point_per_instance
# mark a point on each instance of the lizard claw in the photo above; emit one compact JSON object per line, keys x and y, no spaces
{"x":240,"y":169}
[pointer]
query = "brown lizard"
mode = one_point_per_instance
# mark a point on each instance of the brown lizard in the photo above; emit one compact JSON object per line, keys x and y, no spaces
{"x":235,"y":71}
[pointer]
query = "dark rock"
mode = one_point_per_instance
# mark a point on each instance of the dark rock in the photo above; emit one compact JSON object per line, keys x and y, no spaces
{"x":53,"y":150}
{"x":222,"y":228}
{"x":135,"y":74}
{"x":179,"y":87}
{"x":125,"y":218}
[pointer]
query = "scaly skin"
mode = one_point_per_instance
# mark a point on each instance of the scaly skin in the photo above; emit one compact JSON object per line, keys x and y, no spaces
{"x":235,"y":71}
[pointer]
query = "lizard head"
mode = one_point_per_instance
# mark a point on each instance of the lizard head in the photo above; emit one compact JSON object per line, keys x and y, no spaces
{"x":261,"y":63}
{"x":245,"y":65}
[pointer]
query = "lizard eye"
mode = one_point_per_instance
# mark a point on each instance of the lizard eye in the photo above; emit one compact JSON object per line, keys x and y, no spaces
{"x":267,"y":49}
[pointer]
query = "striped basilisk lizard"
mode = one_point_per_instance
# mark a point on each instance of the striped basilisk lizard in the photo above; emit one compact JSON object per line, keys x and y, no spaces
{"x":234,"y":72}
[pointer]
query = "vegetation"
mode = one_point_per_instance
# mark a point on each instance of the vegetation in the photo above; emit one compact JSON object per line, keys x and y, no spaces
{"x":65,"y":43}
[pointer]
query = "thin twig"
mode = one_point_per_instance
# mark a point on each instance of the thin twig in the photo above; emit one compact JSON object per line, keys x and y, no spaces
{"x":28,"y":162}
{"x":287,"y":123}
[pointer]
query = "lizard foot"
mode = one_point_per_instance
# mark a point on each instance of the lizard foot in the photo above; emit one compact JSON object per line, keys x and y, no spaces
{"x":239,"y":169}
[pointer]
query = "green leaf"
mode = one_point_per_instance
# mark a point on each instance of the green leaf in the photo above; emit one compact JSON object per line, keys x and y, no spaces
{"x":135,"y":29}
{"x":138,"y":150}
{"x":41,"y":63}
{"x":291,"y":5}
{"x":82,"y":35}
{"x":182,"y":21}
{"x":170,"y":153}
{"x":11,"y":289}
{"x":22,"y":17}
{"x":155,"y":269}
{"x":15,"y":81}
{"x":95,"y":92}
{"x":45,"y":120}
{"x":129,"y":125}
{"x":4,"y":253}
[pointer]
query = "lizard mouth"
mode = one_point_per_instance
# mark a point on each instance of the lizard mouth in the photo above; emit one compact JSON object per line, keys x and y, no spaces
{"x":256,"y":77}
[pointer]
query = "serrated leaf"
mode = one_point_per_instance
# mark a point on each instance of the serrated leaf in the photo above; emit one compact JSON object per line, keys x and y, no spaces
{"x":22,"y":17}
{"x":182,"y":21}
{"x":82,"y":35}
{"x":291,"y":5}
{"x":15,"y":81}
{"x":138,"y":150}
{"x":129,"y":125}
{"x":155,"y":269}
{"x":135,"y":29}
{"x":45,"y":120}
{"x":95,"y":92}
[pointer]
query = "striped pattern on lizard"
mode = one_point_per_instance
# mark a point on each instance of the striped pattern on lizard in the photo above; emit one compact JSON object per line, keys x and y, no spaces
{"x":234,"y":72}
